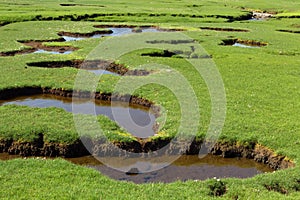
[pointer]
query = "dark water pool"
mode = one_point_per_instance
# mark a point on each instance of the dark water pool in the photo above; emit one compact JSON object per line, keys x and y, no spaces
{"x":135,"y":119}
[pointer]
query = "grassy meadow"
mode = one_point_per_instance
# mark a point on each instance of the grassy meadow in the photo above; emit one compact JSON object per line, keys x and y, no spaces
{"x":262,"y":91}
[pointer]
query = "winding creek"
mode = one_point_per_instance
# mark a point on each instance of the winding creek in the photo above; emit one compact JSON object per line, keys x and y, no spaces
{"x":139,"y":121}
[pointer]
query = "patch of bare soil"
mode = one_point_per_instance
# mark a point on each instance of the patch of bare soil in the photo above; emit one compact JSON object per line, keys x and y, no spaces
{"x":224,"y":29}
{"x":288,"y":31}
{"x":78,"y":4}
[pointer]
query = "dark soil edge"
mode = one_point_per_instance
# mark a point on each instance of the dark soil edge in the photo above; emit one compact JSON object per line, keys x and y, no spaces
{"x":224,"y":29}
{"x":79,"y":4}
{"x":288,"y":31}
{"x":86,"y":146}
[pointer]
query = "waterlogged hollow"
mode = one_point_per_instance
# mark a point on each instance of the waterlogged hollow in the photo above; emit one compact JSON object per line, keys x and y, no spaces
{"x":102,"y":72}
{"x":116,"y":31}
{"x":187,"y":167}
{"x":135,"y":119}
{"x":237,"y":44}
{"x":51,"y":52}
{"x":38,"y":47}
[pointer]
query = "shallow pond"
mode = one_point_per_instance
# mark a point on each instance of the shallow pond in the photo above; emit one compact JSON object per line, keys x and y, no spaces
{"x":187,"y":167}
{"x":135,"y":119}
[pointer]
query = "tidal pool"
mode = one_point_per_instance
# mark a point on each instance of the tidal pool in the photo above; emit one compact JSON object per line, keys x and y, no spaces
{"x":137,"y":120}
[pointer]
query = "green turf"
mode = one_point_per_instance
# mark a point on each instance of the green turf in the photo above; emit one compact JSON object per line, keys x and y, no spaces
{"x":261,"y":84}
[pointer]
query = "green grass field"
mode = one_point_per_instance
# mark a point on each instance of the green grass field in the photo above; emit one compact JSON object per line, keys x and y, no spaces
{"x":261,"y":85}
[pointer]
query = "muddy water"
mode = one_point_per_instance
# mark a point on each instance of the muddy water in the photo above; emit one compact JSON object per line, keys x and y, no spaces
{"x":135,"y":119}
{"x":115,"y":32}
{"x":187,"y":167}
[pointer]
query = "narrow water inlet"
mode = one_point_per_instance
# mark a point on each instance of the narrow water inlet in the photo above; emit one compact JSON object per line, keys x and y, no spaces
{"x":52,"y":52}
{"x":137,"y":120}
{"x":187,"y":167}
{"x":109,"y":31}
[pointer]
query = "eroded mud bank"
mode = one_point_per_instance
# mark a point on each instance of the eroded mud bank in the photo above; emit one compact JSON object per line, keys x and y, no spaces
{"x":87,"y":146}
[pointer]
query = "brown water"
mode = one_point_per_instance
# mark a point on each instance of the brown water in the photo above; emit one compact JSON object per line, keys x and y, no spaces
{"x":187,"y":167}
{"x":135,"y":119}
